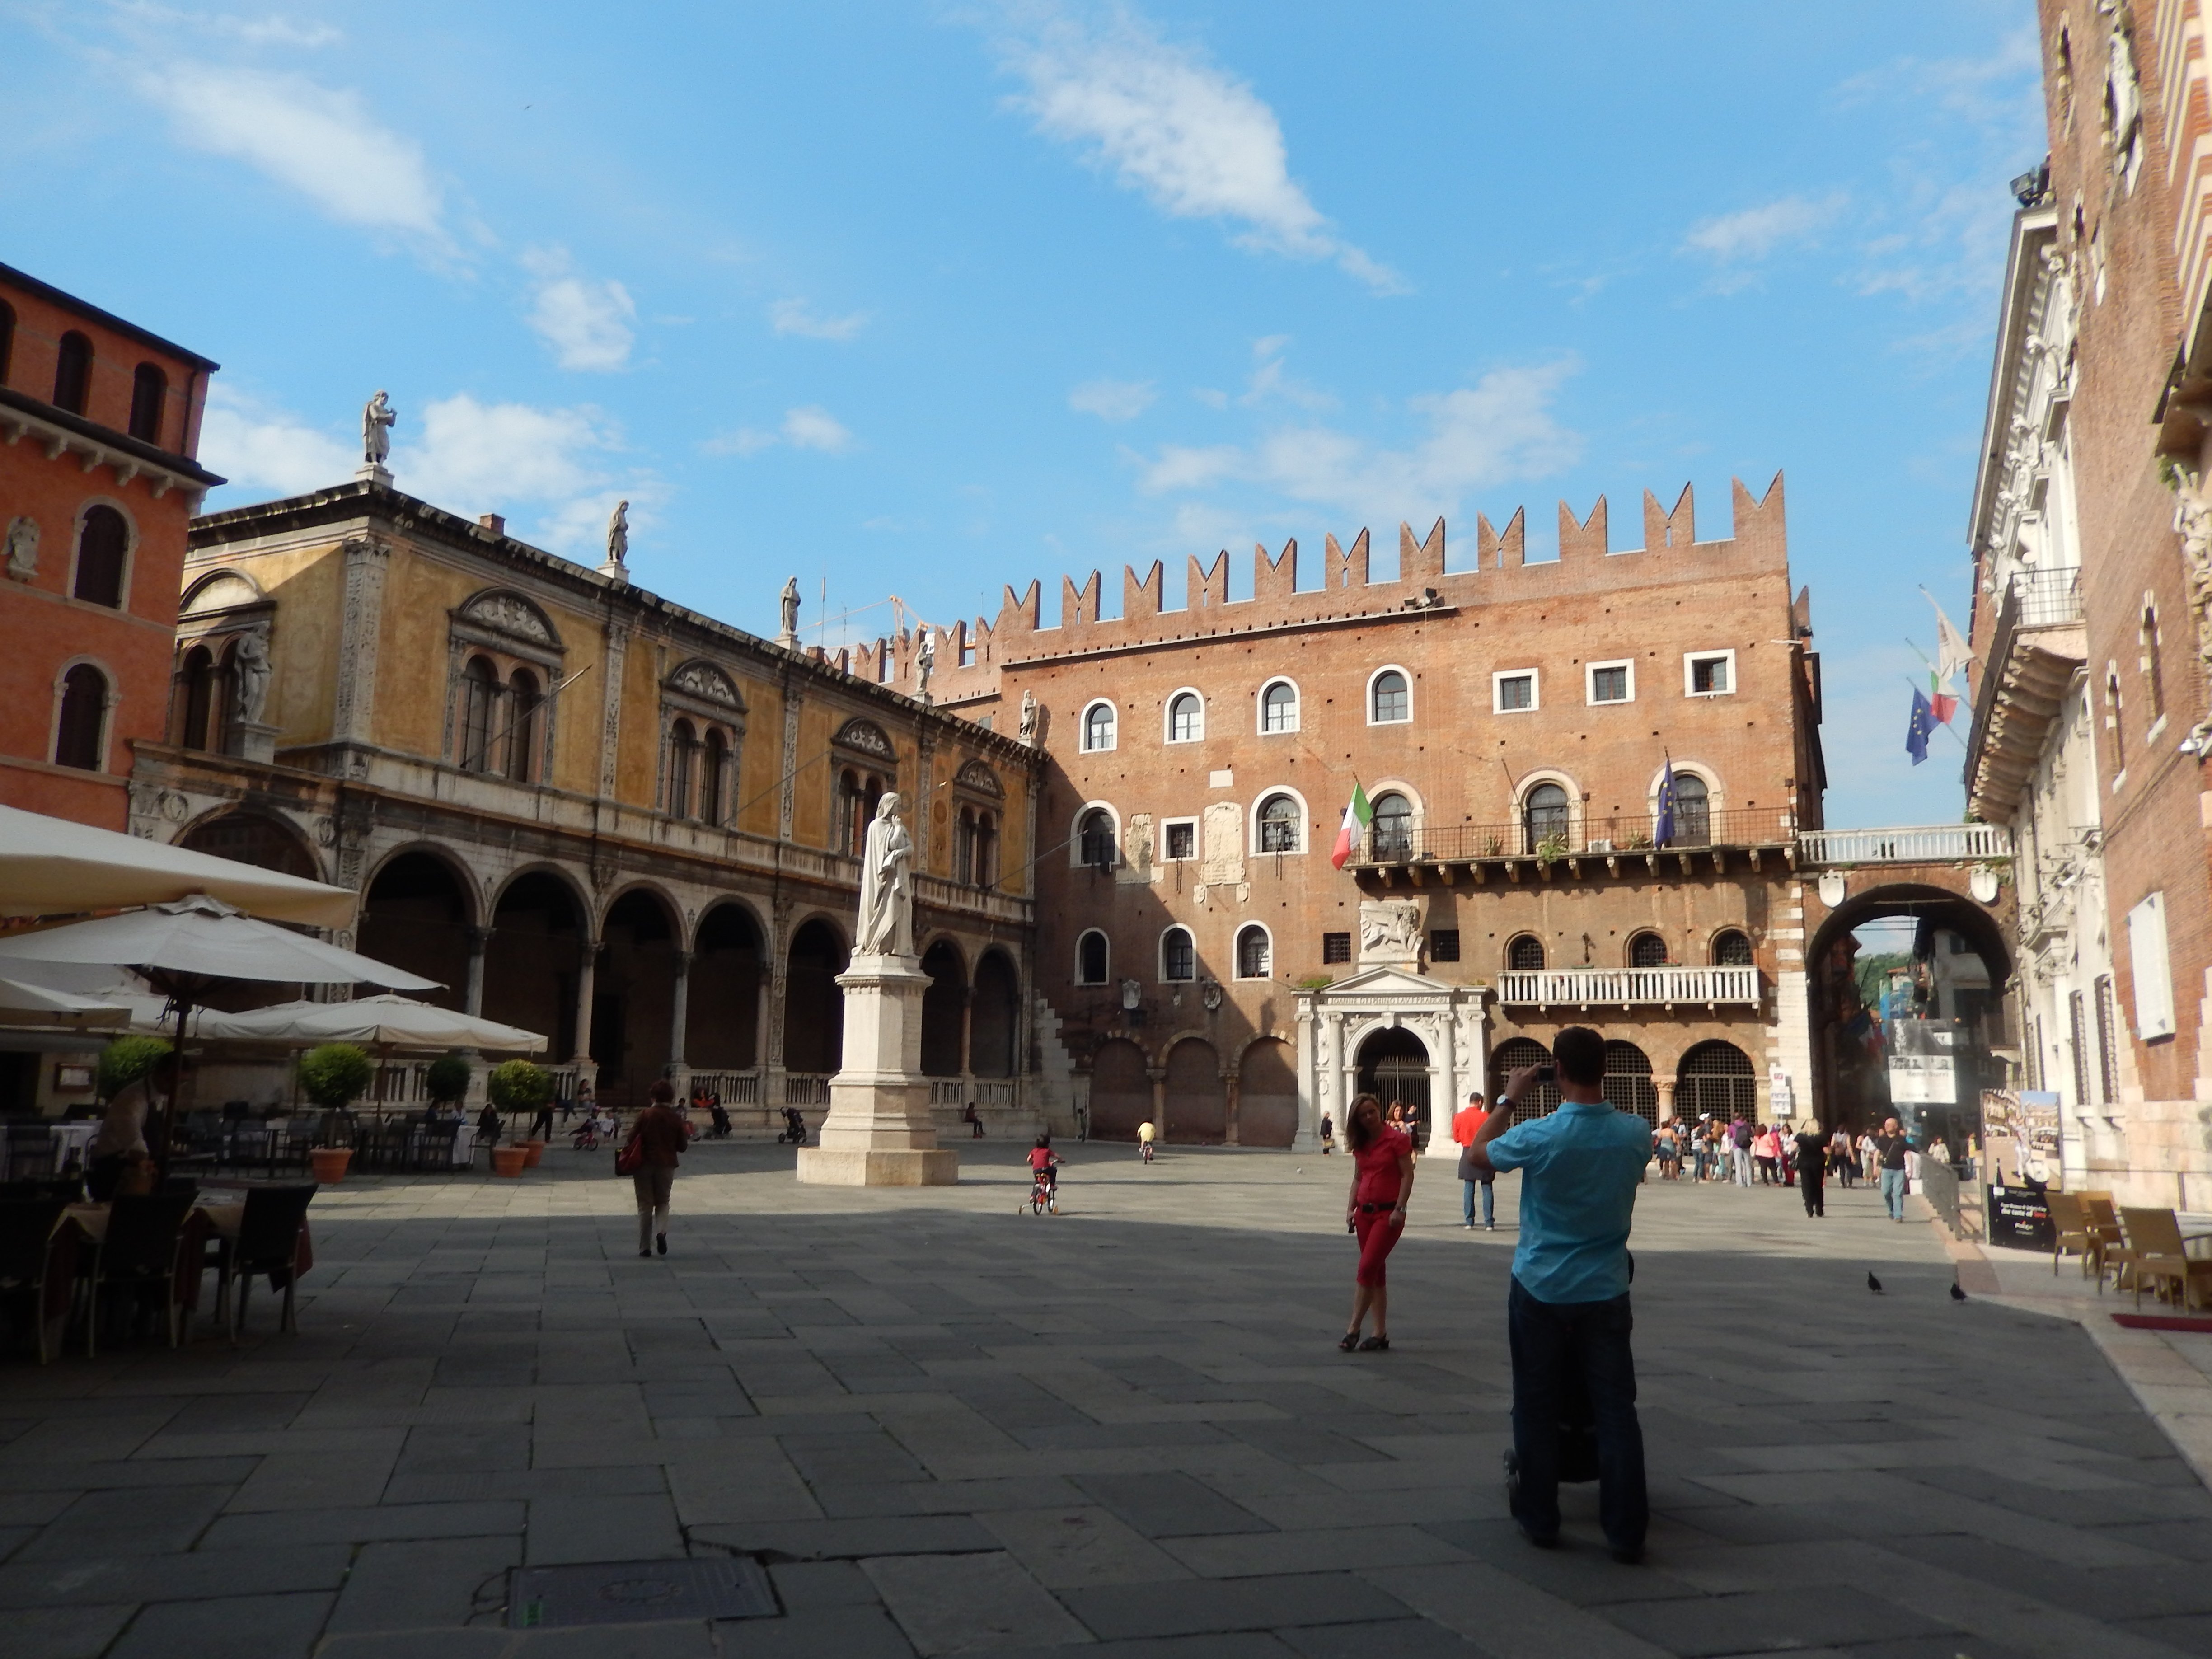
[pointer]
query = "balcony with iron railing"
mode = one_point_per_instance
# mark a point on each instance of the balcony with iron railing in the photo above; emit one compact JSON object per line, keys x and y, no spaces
{"x":1626,"y":987}
{"x":1551,"y":838}
{"x":2036,"y":645}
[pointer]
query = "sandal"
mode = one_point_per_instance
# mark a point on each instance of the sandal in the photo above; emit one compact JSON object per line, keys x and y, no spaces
{"x":1348,"y":1341}
{"x":1375,"y":1344}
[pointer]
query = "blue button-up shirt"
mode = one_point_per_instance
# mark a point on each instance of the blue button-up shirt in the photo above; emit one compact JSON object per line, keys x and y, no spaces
{"x":1580,"y":1168}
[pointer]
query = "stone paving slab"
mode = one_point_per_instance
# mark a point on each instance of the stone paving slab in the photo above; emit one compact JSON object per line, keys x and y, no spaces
{"x":1126,"y":1431}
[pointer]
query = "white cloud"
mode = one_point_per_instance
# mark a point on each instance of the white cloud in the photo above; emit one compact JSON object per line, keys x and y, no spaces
{"x":1751,"y":234}
{"x":587,"y":324}
{"x":323,"y":143}
{"x":262,"y":449}
{"x":806,"y":427}
{"x":272,"y":30}
{"x":793,"y":317}
{"x":475,"y":457}
{"x":1194,"y":140}
{"x":1112,"y":400}
{"x":1269,"y":379}
{"x":1499,"y":429}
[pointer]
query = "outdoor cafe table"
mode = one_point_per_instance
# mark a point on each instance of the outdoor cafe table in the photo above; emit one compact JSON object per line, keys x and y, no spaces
{"x":215,"y":1219}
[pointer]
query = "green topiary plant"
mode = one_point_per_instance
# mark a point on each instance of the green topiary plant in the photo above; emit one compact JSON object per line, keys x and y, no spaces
{"x":446,"y":1079}
{"x":126,"y":1060}
{"x":517,"y":1086}
{"x":336,"y":1074}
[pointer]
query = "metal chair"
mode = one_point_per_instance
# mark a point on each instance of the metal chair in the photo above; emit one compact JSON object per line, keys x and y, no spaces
{"x":140,"y":1251}
{"x":35,"y":1252}
{"x":268,"y":1243}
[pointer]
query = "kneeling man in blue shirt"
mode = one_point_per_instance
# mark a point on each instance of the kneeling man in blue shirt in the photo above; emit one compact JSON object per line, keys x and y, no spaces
{"x":1567,"y":1313}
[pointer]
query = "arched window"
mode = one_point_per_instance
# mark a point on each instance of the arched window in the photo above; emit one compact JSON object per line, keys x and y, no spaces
{"x":2112,"y":707}
{"x":1390,"y":699}
{"x":1544,"y":816}
{"x":1095,"y":836}
{"x":524,"y":699}
{"x":199,"y":693}
{"x":986,"y":850}
{"x":1731,"y":948}
{"x":1693,"y":811}
{"x":479,"y":696}
{"x":1716,"y":1078}
{"x":149,"y":400}
{"x":2154,"y":675}
{"x":1647,"y":950}
{"x":964,"y":849}
{"x":1255,"y":953}
{"x":83,"y":718}
{"x":714,"y":777}
{"x":1393,"y":830}
{"x":1279,"y":707}
{"x":1524,"y":954}
{"x":73,"y":373}
{"x":1628,"y":1082}
{"x":1098,"y":727}
{"x":1279,"y":825}
{"x":683,"y":755}
{"x":1091,"y":961}
{"x":1509,"y":1057}
{"x":1185,"y":717}
{"x":849,"y":827}
{"x":1178,"y":955}
{"x":103,"y":549}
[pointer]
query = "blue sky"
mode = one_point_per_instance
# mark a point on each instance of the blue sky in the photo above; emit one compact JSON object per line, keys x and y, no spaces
{"x":925,"y":298}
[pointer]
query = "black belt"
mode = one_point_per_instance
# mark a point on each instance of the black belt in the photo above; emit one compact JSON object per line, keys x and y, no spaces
{"x":1372,"y":1209}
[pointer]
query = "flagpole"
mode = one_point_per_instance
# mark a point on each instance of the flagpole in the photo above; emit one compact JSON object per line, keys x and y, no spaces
{"x":1945,"y":725}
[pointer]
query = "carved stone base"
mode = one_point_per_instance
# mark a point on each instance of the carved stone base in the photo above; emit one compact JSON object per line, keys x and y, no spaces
{"x":256,"y":741}
{"x":879,"y":1132}
{"x":374,"y":474}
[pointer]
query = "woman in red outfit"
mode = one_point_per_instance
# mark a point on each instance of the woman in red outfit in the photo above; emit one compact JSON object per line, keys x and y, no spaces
{"x":660,"y":1136}
{"x":1381,"y":1187}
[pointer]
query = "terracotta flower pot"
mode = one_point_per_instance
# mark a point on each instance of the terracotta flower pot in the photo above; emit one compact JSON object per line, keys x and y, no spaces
{"x":535,"y":1149}
{"x":509,"y":1161}
{"x":330,"y":1163}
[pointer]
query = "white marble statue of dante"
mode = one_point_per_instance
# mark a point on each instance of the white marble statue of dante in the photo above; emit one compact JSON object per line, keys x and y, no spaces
{"x":886,"y":926}
{"x":378,"y":417}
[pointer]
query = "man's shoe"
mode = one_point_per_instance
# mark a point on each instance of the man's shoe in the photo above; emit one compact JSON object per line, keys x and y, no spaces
{"x":1490,"y":1226}
{"x":1628,"y":1555}
{"x":1541,"y":1540}
{"x":1469,"y":1225}
{"x":660,"y":1243}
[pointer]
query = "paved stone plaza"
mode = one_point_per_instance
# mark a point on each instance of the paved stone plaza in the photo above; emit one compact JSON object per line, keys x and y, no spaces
{"x":948,"y":1427}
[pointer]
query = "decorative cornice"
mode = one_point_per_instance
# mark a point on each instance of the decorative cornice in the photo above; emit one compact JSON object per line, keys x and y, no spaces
{"x":96,"y":446}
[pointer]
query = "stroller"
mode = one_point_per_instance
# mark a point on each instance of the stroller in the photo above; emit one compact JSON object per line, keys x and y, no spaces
{"x":721,"y":1118}
{"x":794,"y":1129}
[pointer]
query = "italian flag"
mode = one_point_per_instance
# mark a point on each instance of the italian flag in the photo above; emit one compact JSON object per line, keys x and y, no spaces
{"x":1357,"y":817}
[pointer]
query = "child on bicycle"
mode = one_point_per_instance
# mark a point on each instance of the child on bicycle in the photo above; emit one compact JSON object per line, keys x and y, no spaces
{"x":1144,"y":1133}
{"x":1044,"y":1163}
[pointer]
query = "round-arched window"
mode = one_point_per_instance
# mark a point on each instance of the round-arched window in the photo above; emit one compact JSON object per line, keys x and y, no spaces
{"x":1279,"y":825}
{"x":1390,"y":699}
{"x":1096,"y":837}
{"x":1647,"y":950}
{"x":1186,"y":718}
{"x":1693,"y":814}
{"x":103,"y":550}
{"x":1731,"y":948}
{"x":1091,"y":961}
{"x":1178,"y":955}
{"x":83,"y":720}
{"x":1098,"y":726}
{"x":1278,"y":707}
{"x":1524,"y":954}
{"x":1254,"y":955}
{"x":1392,"y":829}
{"x":1544,"y":816}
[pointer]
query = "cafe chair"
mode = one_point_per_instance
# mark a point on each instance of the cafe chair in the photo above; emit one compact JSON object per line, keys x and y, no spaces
{"x":2154,"y":1241}
{"x":2070,"y":1235}
{"x":269,"y":1244}
{"x":37,"y":1254}
{"x":139,"y":1254}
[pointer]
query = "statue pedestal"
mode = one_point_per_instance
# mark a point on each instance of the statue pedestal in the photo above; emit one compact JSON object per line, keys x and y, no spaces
{"x":370,"y":472}
{"x":879,"y":1132}
{"x":257,"y":741}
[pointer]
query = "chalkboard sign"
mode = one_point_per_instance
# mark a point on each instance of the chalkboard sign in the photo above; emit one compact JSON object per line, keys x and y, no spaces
{"x":2020,"y":1217}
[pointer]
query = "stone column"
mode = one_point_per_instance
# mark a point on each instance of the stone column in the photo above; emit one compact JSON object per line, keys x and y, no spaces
{"x":1444,"y":1094}
{"x":1232,"y":1088}
{"x":679,"y":1019}
{"x":588,"y":966}
{"x":1665,"y":1085}
{"x":472,"y":1002}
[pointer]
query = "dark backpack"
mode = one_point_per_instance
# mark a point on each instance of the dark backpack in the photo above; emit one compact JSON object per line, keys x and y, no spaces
{"x":1741,"y":1136}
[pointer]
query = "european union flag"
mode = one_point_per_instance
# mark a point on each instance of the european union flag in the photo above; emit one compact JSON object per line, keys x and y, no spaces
{"x":1663,"y":831}
{"x":1917,"y":730}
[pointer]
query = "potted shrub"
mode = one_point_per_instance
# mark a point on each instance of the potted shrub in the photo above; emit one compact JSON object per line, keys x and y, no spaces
{"x":517,"y":1086}
{"x":126,"y":1060}
{"x":446,"y":1079}
{"x":332,"y":1076}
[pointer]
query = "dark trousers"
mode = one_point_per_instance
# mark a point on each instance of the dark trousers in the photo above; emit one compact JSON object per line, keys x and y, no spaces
{"x":1815,"y":1199}
{"x":1553,"y":1342}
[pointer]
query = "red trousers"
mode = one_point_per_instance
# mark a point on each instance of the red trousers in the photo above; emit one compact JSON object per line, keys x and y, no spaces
{"x":1378,"y":1231}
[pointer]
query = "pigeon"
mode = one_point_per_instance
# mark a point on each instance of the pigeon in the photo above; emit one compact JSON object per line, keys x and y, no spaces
{"x":1957,"y":1295}
{"x":1874,"y":1284}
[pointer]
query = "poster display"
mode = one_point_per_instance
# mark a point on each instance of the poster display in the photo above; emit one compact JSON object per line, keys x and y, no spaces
{"x":2020,"y":1137}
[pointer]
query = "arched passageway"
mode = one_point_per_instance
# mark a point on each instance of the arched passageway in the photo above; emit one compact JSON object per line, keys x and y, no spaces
{"x":1716,"y":1080}
{"x":1121,"y":1090}
{"x":533,"y":959}
{"x":633,"y":1000}
{"x":1266,"y":1095}
{"x":722,"y":1019}
{"x":1628,"y":1085}
{"x":1509,"y":1057}
{"x":1394,"y":1066}
{"x":1197,"y":1098}
{"x":943,"y":1011}
{"x":813,"y":1004}
{"x":253,"y":838}
{"x":995,"y":1018}
{"x":416,"y":916}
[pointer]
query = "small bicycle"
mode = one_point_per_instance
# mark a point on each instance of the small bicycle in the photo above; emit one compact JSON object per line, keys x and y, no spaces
{"x":1044,"y":1195}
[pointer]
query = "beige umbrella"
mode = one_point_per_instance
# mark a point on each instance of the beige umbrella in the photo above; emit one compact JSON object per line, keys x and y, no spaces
{"x":52,"y":867}
{"x":34,"y":1005}
{"x":384,"y":1022}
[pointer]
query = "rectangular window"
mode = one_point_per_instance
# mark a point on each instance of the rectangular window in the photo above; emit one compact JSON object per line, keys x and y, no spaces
{"x":1709,"y":673}
{"x":1336,"y":947}
{"x":2153,"y":976}
{"x":1443,"y":944}
{"x":1612,"y":682}
{"x":2079,"y":1021}
{"x":1513,"y":692}
{"x":2108,"y":1058}
{"x":1180,"y":839}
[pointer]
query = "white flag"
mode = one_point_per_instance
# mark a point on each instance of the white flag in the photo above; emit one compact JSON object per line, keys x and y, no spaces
{"x":1952,"y":652}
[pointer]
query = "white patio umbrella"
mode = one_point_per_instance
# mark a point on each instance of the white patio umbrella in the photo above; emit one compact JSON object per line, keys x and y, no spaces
{"x":50,"y":866}
{"x":385,"y":1022}
{"x":34,"y":1005}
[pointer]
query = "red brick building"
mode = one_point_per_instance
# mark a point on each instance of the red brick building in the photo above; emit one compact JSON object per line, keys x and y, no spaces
{"x":100,"y":420}
{"x":1512,"y":723}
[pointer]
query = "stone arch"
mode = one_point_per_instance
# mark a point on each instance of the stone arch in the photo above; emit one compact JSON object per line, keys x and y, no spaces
{"x":1120,"y":1090}
{"x":1197,"y":1107}
{"x":944,"y":1010}
{"x":260,"y":839}
{"x":503,"y":610}
{"x":1715,"y":1077}
{"x":418,"y":912}
{"x":1508,"y":1057}
{"x":540,"y":930}
{"x":994,"y":1017}
{"x":1628,"y":1083}
{"x":1267,"y":1093}
{"x":729,"y":965}
{"x":634,"y":992}
{"x":813,"y":1003}
{"x":1395,"y":1064}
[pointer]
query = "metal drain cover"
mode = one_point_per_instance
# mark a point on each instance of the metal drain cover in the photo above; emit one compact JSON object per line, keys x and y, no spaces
{"x":638,"y":1592}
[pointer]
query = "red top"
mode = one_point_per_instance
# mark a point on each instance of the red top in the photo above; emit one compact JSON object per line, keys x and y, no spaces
{"x":659,"y":1135}
{"x":1041,"y":1157}
{"x":1465,"y":1122}
{"x":1378,"y":1167}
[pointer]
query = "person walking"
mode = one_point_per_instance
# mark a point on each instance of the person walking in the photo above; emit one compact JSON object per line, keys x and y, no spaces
{"x":658,"y":1137}
{"x":1890,"y":1147}
{"x":1739,"y":1140}
{"x":1375,"y":1211}
{"x":1465,"y":1122}
{"x":1567,"y":1312}
{"x":1327,"y":1134}
{"x":1841,"y":1162}
{"x":1812,"y":1167}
